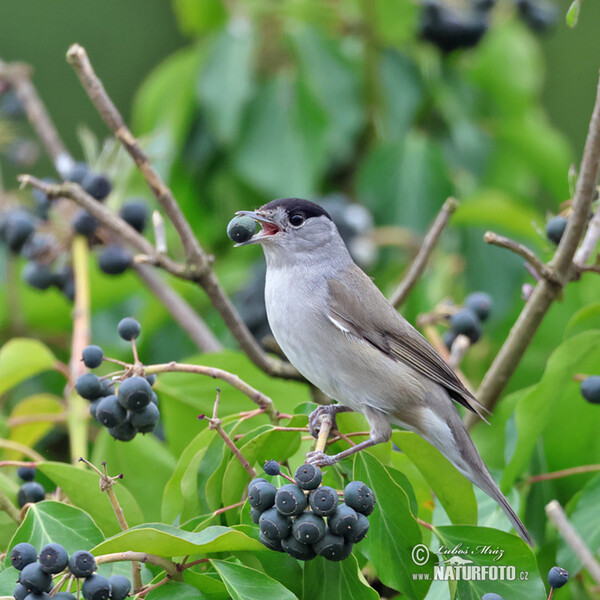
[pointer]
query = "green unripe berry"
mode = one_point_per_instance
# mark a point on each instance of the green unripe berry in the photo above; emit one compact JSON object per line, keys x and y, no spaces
{"x":358,"y":530}
{"x":308,"y":528}
{"x":22,"y":555}
{"x":324,"y":501}
{"x":261,"y":494}
{"x":342,"y":520}
{"x":308,"y":477}
{"x":360,"y":497}
{"x":35,"y":579}
{"x":96,"y":587}
{"x":53,"y":558}
{"x":290,"y":500}
{"x":296,"y":549}
{"x":274,"y":525}
{"x":241,"y":229}
{"x":269,"y":543}
{"x":332,"y":547}
{"x":120,"y":587}
{"x":82,"y":563}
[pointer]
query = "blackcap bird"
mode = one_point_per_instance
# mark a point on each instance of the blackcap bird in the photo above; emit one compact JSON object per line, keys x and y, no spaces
{"x":342,"y":334}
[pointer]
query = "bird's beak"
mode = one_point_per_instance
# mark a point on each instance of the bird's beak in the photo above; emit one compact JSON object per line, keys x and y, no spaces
{"x":268,"y":227}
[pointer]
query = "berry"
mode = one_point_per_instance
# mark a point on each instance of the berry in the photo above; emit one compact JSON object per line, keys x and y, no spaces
{"x":465,"y":322}
{"x":96,"y":587}
{"x":255,"y":514}
{"x":557,"y":577}
{"x":290,"y":500}
{"x":26,"y":473}
{"x":269,"y":543}
{"x":53,"y":558}
{"x":342,"y":520}
{"x":538,"y":15}
{"x":360,"y":497}
{"x":272,"y":467}
{"x":135,"y":393}
{"x":19,"y":226}
{"x":261,"y":494}
{"x":41,"y":596}
{"x":120,"y":587}
{"x":590,"y":389}
{"x":135,"y":212}
{"x":110,"y":412}
{"x":491,"y":596}
{"x":146,"y":419}
{"x":84,"y":224}
{"x":88,"y":386}
{"x":324,"y":501}
{"x":448,"y":338}
{"x":94,"y":406}
{"x":77,"y":172}
{"x":37,"y":246}
{"x":297,"y":549}
{"x":30,"y":491}
{"x":82,"y":563}
{"x":114,"y":260}
{"x":107,"y":387}
{"x":65,"y":282}
{"x":241,"y":229}
{"x":92,"y":356}
{"x":154,"y":398}
{"x":22,"y":555}
{"x":35,"y":579}
{"x":37,"y":275}
{"x":274,"y":525}
{"x":20,"y":592}
{"x":555,"y":228}
{"x":308,"y":477}
{"x":358,"y":529}
{"x":308,"y":528}
{"x":124,"y":432}
{"x":480,"y":303}
{"x":96,"y":185}
{"x":41,"y":199}
{"x":128,"y":328}
{"x":332,"y":547}
{"x":151,"y":379}
{"x":63,"y":596}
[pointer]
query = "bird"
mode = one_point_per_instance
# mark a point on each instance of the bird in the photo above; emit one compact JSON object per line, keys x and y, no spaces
{"x":341,"y":333}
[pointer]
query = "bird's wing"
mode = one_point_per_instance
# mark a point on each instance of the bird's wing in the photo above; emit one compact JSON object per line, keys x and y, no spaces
{"x":376,"y":321}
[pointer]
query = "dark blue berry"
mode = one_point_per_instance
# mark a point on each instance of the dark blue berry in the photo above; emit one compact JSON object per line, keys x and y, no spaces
{"x":26,"y":473}
{"x":332,"y":547}
{"x":114,"y":260}
{"x":557,"y":577}
{"x":135,"y":213}
{"x":128,"y":328}
{"x":30,"y":491}
{"x":590,"y":389}
{"x":82,"y":563}
{"x":146,"y":419}
{"x":37,"y":275}
{"x":88,"y":386}
{"x":274,"y":525}
{"x":555,"y":228}
{"x":297,"y":549}
{"x":324,"y":501}
{"x":135,"y":393}
{"x":96,"y":587}
{"x":261,"y":494}
{"x":466,"y":322}
{"x":96,"y":185}
{"x":272,"y":467}
{"x":120,"y":587}
{"x":241,"y":229}
{"x":92,"y":356}
{"x":308,"y":528}
{"x":22,"y":555}
{"x":124,"y":432}
{"x":290,"y":500}
{"x":342,"y":520}
{"x":480,"y":303}
{"x":35,"y":579}
{"x":308,"y":477}
{"x":78,"y":171}
{"x":84,"y":223}
{"x":360,"y":497}
{"x":53,"y":558}
{"x":110,"y":412}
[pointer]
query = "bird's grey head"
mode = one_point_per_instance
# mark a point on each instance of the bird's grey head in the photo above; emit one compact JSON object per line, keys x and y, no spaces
{"x":296,"y":231}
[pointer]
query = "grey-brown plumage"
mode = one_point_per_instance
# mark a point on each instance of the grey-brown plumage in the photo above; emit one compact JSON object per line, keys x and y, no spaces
{"x":341,"y":333}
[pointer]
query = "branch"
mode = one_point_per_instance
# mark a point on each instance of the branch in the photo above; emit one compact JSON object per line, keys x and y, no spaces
{"x":546,"y":291}
{"x":180,"y":310}
{"x":420,"y":262}
{"x":557,"y":515}
{"x":164,"y":563}
{"x":542,"y":270}
{"x":564,"y":473}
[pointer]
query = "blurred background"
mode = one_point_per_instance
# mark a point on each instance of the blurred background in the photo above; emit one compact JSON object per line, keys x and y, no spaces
{"x":383,"y":108}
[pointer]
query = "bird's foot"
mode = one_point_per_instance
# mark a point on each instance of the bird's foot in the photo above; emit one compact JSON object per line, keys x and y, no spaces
{"x":320,"y":459}
{"x":315,"y":416}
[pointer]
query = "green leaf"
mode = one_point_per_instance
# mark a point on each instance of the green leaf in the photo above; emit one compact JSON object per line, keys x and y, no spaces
{"x":166,"y":540}
{"x":209,"y":584}
{"x":584,"y":319}
{"x":146,"y":466}
{"x":451,"y":488}
{"x":82,"y":489}
{"x":50,"y":521}
{"x":29,"y":434}
{"x":326,"y":580}
{"x":198,"y":16}
{"x":584,"y":518}
{"x":393,"y":531}
{"x":22,"y":358}
{"x":225,"y":80}
{"x":573,"y":13}
{"x":393,"y":22}
{"x":244,"y":583}
{"x":176,"y":589}
{"x":535,"y":410}
{"x":482,"y":547}
{"x":282,"y":147}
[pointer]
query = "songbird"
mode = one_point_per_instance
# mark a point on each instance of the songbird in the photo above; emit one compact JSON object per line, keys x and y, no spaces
{"x":342,"y":334}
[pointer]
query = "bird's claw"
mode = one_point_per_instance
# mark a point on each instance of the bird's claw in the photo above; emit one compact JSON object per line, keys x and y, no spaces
{"x":314,"y":418}
{"x":320,"y":459}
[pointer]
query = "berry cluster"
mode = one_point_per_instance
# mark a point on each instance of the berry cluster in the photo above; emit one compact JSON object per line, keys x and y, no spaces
{"x":468,"y":319}
{"x":30,"y":490}
{"x":292,"y":518}
{"x":36,"y":571}
{"x":133,"y":408}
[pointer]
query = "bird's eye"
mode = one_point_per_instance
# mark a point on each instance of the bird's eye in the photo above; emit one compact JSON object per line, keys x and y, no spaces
{"x":296,"y":220}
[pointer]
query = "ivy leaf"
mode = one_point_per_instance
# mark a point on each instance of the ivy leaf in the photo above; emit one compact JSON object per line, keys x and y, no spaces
{"x":22,"y":358}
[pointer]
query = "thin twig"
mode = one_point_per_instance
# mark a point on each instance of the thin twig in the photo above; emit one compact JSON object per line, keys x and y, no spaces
{"x":419,"y":263}
{"x":325,"y":424}
{"x":557,"y":515}
{"x":542,"y":270}
{"x":39,"y":418}
{"x":22,"y":448}
{"x":564,"y":473}
{"x":164,"y":563}
{"x":546,"y":292}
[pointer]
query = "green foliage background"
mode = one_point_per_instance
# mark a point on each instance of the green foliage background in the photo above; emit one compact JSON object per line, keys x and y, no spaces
{"x":303,"y":99}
